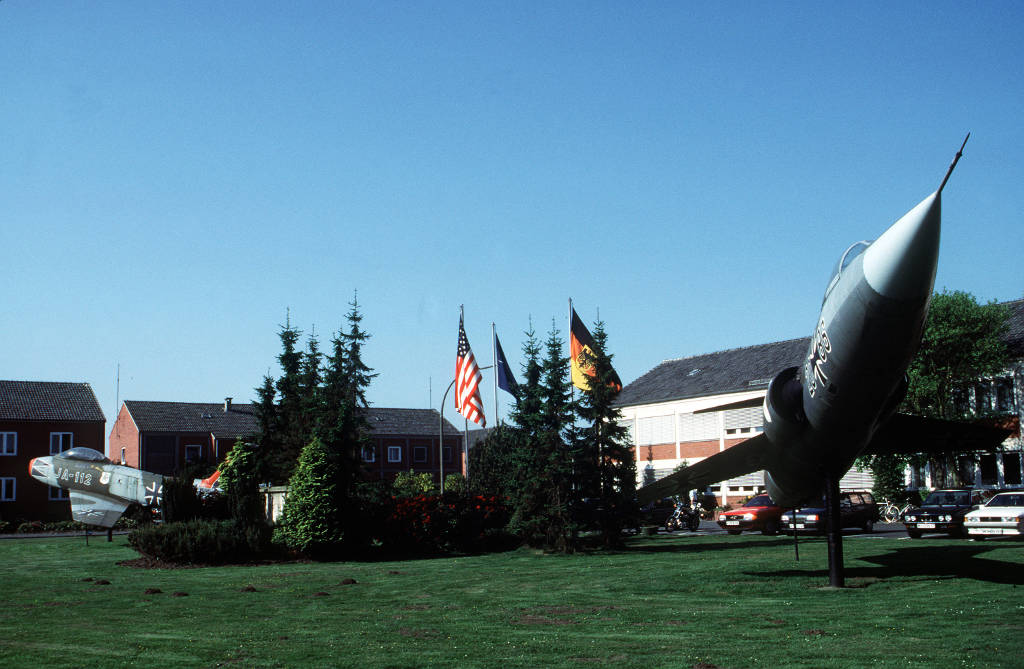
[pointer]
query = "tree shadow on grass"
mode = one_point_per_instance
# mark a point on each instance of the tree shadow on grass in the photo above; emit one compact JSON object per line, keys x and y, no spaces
{"x":931,"y":562}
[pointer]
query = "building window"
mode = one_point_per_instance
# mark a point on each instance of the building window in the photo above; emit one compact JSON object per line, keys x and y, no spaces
{"x":60,"y":442}
{"x":982,"y":399}
{"x":989,"y":468}
{"x":447,"y":453}
{"x":369,"y":454}
{"x":419,"y":453}
{"x":1004,"y":395}
{"x":56,"y":494}
{"x":7,"y":486}
{"x":656,"y":430}
{"x":8,"y":443}
{"x":394,"y":453}
{"x":1011,"y":468}
{"x":193,"y":453}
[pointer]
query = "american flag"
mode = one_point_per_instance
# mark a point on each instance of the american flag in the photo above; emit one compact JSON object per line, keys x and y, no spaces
{"x":467,"y":382}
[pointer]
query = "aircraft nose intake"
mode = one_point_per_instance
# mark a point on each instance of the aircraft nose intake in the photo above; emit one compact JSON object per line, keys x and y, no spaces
{"x":901,"y":263}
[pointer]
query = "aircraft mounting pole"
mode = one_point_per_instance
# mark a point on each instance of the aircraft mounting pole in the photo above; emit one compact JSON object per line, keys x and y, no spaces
{"x":834,"y":528}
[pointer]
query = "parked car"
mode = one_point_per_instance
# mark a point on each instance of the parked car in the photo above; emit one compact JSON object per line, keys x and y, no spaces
{"x":942,"y":511}
{"x":759,"y":513}
{"x":1003,"y":515}
{"x":658,"y":511}
{"x":856,"y":509}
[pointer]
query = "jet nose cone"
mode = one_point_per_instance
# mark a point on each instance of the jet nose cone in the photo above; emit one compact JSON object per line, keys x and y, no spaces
{"x":40,"y":468}
{"x":901,"y":263}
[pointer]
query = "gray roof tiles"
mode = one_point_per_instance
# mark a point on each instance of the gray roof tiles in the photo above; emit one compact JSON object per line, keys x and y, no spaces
{"x":49,"y":401}
{"x":240,"y":419}
{"x":732,"y":371}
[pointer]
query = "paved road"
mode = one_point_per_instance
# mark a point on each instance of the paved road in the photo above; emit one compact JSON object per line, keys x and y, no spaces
{"x":881,"y":531}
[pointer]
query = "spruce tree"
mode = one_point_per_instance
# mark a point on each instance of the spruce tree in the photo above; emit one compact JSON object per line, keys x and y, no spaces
{"x":310,"y":379}
{"x":291,"y":420}
{"x":309,"y":522}
{"x":343,"y":427}
{"x":543,"y":499}
{"x":268,"y":430}
{"x":603,"y":445}
{"x":527,"y":485}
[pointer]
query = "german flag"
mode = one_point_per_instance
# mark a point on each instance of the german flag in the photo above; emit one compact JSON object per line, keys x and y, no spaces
{"x":582,"y":350}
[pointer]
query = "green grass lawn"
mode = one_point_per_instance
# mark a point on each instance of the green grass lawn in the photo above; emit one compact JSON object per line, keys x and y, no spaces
{"x":665,"y":602}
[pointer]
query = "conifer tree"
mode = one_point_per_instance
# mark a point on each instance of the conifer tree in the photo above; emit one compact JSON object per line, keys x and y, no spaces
{"x":343,"y":427}
{"x":309,"y":522}
{"x":291,"y":422}
{"x":603,"y":445}
{"x":543,"y":496}
{"x":268,"y":428}
{"x":310,"y":379}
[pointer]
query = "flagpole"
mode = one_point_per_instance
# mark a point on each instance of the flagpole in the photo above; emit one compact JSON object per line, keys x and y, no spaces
{"x":440,"y":441}
{"x":494,"y":363}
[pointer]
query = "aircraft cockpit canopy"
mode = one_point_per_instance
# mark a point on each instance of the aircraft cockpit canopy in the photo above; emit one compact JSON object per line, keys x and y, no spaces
{"x":84,"y":454}
{"x":851,"y":252}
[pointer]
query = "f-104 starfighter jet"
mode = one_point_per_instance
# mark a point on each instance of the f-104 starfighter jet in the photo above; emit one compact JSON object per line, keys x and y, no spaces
{"x":100,"y":491}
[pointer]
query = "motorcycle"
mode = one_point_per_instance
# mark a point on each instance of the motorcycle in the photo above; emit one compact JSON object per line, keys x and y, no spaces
{"x":684,"y":517}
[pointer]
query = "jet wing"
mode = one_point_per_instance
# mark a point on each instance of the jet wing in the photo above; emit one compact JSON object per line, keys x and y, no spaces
{"x":904,"y":433}
{"x":95,"y":509}
{"x":743,"y":458}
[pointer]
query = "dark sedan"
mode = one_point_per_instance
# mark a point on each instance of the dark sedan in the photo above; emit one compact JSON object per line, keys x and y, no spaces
{"x":942,"y":511}
{"x":856,"y":509}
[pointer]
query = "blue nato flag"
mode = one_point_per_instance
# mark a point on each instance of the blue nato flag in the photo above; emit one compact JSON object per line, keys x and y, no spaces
{"x":506,"y":381}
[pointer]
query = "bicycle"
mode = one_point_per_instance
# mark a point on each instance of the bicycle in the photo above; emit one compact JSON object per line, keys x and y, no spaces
{"x":890,"y":513}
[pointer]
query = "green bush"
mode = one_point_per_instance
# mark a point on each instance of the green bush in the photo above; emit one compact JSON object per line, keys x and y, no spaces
{"x":431,"y":524}
{"x":455,"y":483}
{"x":200,"y":542}
{"x":408,"y":484}
{"x":311,"y":520}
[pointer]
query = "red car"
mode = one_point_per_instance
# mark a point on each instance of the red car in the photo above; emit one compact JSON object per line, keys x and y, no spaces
{"x":759,"y":513}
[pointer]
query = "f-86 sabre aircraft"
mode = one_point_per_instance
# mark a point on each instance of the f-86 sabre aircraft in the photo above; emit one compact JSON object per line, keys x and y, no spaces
{"x":100,"y":491}
{"x":841,"y":402}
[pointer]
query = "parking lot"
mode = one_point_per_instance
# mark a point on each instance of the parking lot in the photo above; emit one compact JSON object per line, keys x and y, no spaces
{"x":881,"y":531}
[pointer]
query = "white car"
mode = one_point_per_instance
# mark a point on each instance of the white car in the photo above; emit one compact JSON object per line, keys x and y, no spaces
{"x":1003,"y":515}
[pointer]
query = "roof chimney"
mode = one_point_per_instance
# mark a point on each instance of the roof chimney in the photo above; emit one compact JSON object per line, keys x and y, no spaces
{"x":227,"y":404}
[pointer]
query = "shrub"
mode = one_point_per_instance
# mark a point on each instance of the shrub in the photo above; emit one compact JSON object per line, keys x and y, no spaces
{"x":310,"y":522}
{"x":180,"y":500}
{"x":455,"y":483}
{"x":446,"y":523}
{"x":407,"y":484}
{"x":200,"y":542}
{"x":30,"y":527}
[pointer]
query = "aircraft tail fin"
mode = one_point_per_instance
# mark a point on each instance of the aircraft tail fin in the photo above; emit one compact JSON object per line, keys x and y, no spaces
{"x":743,"y":458}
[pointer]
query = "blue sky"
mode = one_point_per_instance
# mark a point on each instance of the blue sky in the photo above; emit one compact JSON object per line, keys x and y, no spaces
{"x":175,"y":176}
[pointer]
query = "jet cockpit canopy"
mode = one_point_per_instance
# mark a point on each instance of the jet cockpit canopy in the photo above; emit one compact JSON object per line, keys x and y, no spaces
{"x":84,"y":454}
{"x":851,"y":252}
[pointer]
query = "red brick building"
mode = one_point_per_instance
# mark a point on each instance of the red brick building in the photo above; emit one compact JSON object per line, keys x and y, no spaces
{"x":162,"y":437}
{"x":39,"y":418}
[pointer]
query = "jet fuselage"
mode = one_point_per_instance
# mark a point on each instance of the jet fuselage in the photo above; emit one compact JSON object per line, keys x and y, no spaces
{"x":854,"y":374}
{"x":99,"y":490}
